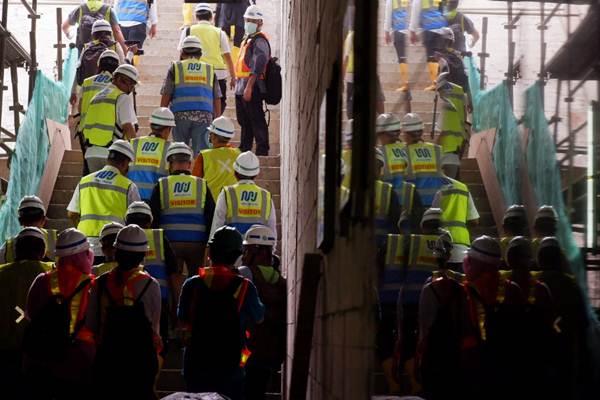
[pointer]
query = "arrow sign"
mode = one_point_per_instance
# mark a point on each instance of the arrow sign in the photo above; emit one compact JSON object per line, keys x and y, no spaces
{"x":21,"y":314}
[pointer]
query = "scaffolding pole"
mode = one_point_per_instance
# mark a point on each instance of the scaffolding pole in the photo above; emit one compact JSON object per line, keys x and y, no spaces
{"x":33,"y":15}
{"x":484,"y":54}
{"x":569,"y":101}
{"x":3,"y":35}
{"x":59,"y":44}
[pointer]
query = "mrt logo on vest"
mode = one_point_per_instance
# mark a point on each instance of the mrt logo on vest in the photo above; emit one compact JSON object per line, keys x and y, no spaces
{"x":182,"y":188}
{"x":249,"y":197}
{"x":149,"y":147}
{"x":106,"y":175}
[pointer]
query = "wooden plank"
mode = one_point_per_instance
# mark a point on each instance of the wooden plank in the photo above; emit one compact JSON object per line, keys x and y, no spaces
{"x":528,"y":197}
{"x":58,"y":136}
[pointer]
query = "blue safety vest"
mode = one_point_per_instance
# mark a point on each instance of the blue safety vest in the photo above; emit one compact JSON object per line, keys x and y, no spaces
{"x":383,"y":203}
{"x":150,"y":163}
{"x":399,"y":15}
{"x":193,"y":90}
{"x":420,"y":266}
{"x":133,"y":10}
{"x":394,"y":269}
{"x":424,"y":170}
{"x":155,"y":263}
{"x":431,"y":16}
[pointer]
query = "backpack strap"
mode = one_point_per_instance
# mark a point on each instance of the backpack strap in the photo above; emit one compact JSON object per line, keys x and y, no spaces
{"x":82,"y":10}
{"x":139,"y":297}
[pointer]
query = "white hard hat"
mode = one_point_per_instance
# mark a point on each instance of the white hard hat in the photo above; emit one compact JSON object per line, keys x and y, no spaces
{"x":253,"y":12}
{"x":191,"y":42}
{"x":31,"y":202}
{"x":179,"y":148}
{"x":441,"y":80}
{"x":443,"y":245}
{"x":110,"y":229}
{"x":132,"y":238}
{"x":546,"y":212}
{"x":32,"y":231}
{"x":101,"y":26}
{"x":203,"y":7}
{"x":129,"y":71}
{"x":387,"y":122}
{"x":123,"y":147}
{"x":108,"y":54}
{"x":485,"y":248}
{"x":222,"y":126}
{"x":450,"y":159}
{"x":259,"y":235}
{"x":515,"y":211}
{"x":71,"y":241}
{"x":247,"y":164}
{"x":412,"y":123}
{"x":139,"y":207}
{"x":162,"y":116}
{"x":431,"y":214}
{"x":379,"y":156}
{"x":445,"y":33}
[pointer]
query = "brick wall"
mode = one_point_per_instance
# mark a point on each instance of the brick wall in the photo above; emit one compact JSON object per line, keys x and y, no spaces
{"x":342,"y":351}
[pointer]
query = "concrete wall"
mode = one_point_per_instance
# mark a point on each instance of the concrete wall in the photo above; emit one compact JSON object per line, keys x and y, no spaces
{"x":342,"y":350}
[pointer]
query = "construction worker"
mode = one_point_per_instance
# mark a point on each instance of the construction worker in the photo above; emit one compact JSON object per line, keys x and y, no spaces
{"x":56,"y":369}
{"x":15,"y":279}
{"x":514,"y":223}
{"x":192,"y":90}
{"x":267,"y":343}
{"x":251,"y":87}
{"x":150,"y":162}
{"x":450,"y":60}
{"x":110,"y":116}
{"x":245,"y":203}
{"x":387,"y":204}
{"x":134,"y":17}
{"x":544,"y":224}
{"x":124,"y":316}
{"x":519,"y":263}
{"x":31,"y":213}
{"x":460,"y":23}
{"x":230,"y":18}
{"x":107,"y":242}
{"x":104,"y":196}
{"x":424,"y":166}
{"x":182,"y":205}
{"x":348,"y":72}
{"x":215,"y":48}
{"x":220,"y":298}
{"x":454,"y":134}
{"x":395,"y":24}
{"x":215,"y":165}
{"x":425,"y":14}
{"x":388,"y":129}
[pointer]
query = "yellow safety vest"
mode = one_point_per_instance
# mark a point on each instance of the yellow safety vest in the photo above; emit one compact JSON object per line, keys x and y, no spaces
{"x":103,"y":268}
{"x":504,"y":241}
{"x":394,"y":268}
{"x":102,"y":199}
{"x":424,"y":159}
{"x":429,"y":4}
{"x":407,"y":197}
{"x":247,"y":204}
{"x":455,"y":207}
{"x":91,"y":87}
{"x":450,"y":274}
{"x":210,"y":37}
{"x":421,"y":252}
{"x":396,"y":4}
{"x":50,"y":237}
{"x":347,"y":157}
{"x":77,"y":313}
{"x":395,"y":159}
{"x":155,"y":261}
{"x":349,"y":52}
{"x":383,"y":202}
{"x":454,"y":132}
{"x":101,"y":118}
{"x":218,"y":168}
{"x":344,"y":196}
{"x":150,"y":163}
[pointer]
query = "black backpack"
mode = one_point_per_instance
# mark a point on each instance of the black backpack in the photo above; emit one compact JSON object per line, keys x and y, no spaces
{"x":47,"y":337}
{"x":272,"y":78}
{"x":86,"y":21}
{"x":89,"y":59}
{"x":216,"y":342}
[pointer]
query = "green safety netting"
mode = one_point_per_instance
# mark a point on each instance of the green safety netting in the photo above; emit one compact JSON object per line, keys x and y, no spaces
{"x":50,"y":100}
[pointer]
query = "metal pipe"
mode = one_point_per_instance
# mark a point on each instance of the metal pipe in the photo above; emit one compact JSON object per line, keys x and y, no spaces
{"x":542,"y":73}
{"x":16,"y":107}
{"x":571,"y":152}
{"x":483,"y":55}
{"x":3,"y":53}
{"x":59,"y":44}
{"x":33,"y":48}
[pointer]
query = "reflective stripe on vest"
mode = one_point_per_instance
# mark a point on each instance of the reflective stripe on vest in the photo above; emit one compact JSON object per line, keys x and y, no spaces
{"x":193,"y":89}
{"x":218,"y":168}
{"x":182,"y":200}
{"x":101,"y":118}
{"x":104,"y":267}
{"x":394,"y":268}
{"x":349,"y":52}
{"x":103,"y":199}
{"x":431,"y":16}
{"x":455,"y":207}
{"x":242,"y":69}
{"x":150,"y":164}
{"x":247,"y":204}
{"x":399,"y":15}
{"x":448,"y":274}
{"x":11,"y":246}
{"x":77,"y":312}
{"x":424,"y":169}
{"x":421,"y":264}
{"x":395,"y":164}
{"x":125,"y":294}
{"x":154,"y":262}
{"x":383,"y":201}
{"x":210,"y":37}
{"x":347,"y":157}
{"x":90,"y":87}
{"x":133,"y":10}
{"x":453,"y":134}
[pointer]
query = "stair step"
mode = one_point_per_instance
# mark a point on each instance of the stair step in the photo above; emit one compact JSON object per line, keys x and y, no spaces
{"x":57,"y":211}
{"x":58,"y":224}
{"x":65,"y":182}
{"x":71,"y":169}
{"x":61,"y":196}
{"x":74,"y":156}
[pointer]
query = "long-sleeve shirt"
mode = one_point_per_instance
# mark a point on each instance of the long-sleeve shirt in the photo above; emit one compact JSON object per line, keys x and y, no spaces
{"x":152,"y":16}
{"x":257,"y":60}
{"x":415,"y":16}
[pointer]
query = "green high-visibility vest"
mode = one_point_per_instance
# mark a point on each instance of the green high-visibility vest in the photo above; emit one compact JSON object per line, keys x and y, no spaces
{"x":101,"y":117}
{"x":455,"y":207}
{"x":454,"y":133}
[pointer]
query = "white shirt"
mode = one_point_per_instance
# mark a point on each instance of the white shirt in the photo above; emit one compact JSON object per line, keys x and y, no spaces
{"x":152,"y":16}
{"x":125,"y":110}
{"x":387,"y":19}
{"x":415,"y":16}
{"x":221,"y":73}
{"x":221,"y":212}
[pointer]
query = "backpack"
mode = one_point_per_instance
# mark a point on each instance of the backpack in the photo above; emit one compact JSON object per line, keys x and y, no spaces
{"x":272,"y":78}
{"x":88,"y":64}
{"x":86,"y":21}
{"x":216,"y":342}
{"x":47,"y":337}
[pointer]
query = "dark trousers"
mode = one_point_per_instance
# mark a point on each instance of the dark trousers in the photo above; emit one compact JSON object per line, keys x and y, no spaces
{"x":223,"y":87}
{"x":251,"y":117}
{"x":400,"y":46}
{"x":258,"y":376}
{"x":429,"y":41}
{"x":350,"y":99}
{"x":238,"y":35}
{"x":135,"y":33}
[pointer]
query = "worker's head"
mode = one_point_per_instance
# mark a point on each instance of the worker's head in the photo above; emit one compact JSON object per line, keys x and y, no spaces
{"x":191,"y":48}
{"x":101,"y":30}
{"x":412,"y":126}
{"x":246,"y":166}
{"x":450,"y":164}
{"x":131,"y":245}
{"x":387,"y":127}
{"x":451,"y":5}
{"x":518,"y":254}
{"x":108,"y":234}
{"x":162,"y":122}
{"x":120,"y":154}
{"x":108,"y":61}
{"x":253,"y":19}
{"x":545,"y":222}
{"x":442,"y":249}
{"x":514,"y":222}
{"x":225,"y":246}
{"x":379,"y":162}
{"x":221,"y":131}
{"x":404,"y":225}
{"x":481,"y":264}
{"x":179,"y":157}
{"x":258,"y":243}
{"x":203,"y":12}
{"x":441,"y":82}
{"x":30,"y":244}
{"x":431,"y":221}
{"x":126,"y":77}
{"x":32,"y":212}
{"x":445,"y":38}
{"x":550,"y":256}
{"x":139,"y":213}
{"x":73,"y":249}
